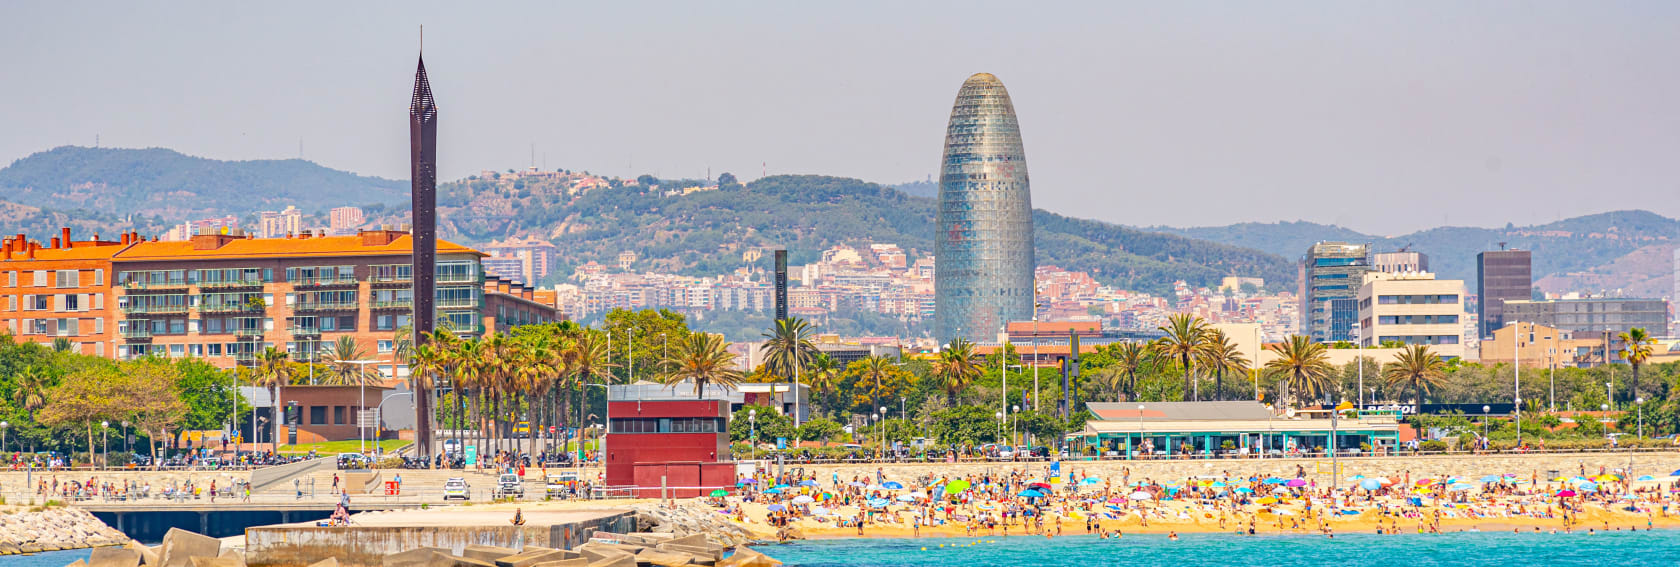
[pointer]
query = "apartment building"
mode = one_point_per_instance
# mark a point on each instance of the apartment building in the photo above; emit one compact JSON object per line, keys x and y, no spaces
{"x":1412,"y":308}
{"x":1330,"y":275}
{"x":59,"y":290}
{"x":1611,"y":315}
{"x":1542,"y":346}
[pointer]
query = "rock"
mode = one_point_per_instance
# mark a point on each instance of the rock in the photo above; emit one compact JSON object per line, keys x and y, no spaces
{"x":664,"y":558}
{"x":180,"y":546}
{"x":422,"y":557}
{"x":746,"y":557}
{"x":573,"y":562}
{"x":114,"y":557}
{"x":533,"y":556}
{"x":596,"y":553}
{"x":486,"y":553}
{"x":215,"y":562}
{"x":708,"y":551}
{"x":621,"y":560}
{"x":77,"y":563}
{"x":328,"y":562}
{"x":236,"y":555}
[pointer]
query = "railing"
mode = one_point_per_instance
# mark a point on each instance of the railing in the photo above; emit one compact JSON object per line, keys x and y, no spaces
{"x":323,"y":281}
{"x":385,"y":280}
{"x":140,"y":333}
{"x":327,"y":306}
{"x":394,"y":304}
{"x":457,"y":303}
{"x":306,"y":331}
{"x":459,"y":278}
{"x":230,"y":283}
{"x":153,"y":309}
{"x":142,"y":286}
{"x":251,"y":332}
{"x":230,"y":308}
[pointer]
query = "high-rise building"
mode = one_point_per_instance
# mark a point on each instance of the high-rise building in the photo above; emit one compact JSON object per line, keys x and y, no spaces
{"x":984,"y":274}
{"x":278,"y":224}
{"x":345,"y":220}
{"x":1331,"y":273}
{"x":1412,"y":308}
{"x":1501,"y":275}
{"x":535,"y":256}
{"x":1400,"y":262}
{"x":1583,"y":316}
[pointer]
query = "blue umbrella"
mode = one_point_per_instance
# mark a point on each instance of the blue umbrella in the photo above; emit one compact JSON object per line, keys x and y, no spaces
{"x":1675,"y":473}
{"x":777,"y":507}
{"x":1244,"y":490}
{"x":879,"y":503}
{"x":773,"y":491}
{"x":892,"y":485}
{"x":807,"y":482}
{"x":1647,"y":477}
{"x":1461,"y":487}
{"x":784,"y":486}
{"x":1273,"y":480}
{"x":1030,"y":493}
{"x":1370,"y":484}
{"x":1490,"y":478}
{"x":1090,"y":480}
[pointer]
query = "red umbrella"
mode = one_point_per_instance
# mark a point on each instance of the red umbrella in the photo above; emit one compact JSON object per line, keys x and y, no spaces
{"x":1046,"y":487}
{"x":1565,"y":493}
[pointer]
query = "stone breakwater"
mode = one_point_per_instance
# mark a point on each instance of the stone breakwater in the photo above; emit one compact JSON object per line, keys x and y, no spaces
{"x":690,"y":517}
{"x":54,"y":529}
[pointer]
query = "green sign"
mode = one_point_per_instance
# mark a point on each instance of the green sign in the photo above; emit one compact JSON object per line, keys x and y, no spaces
{"x":472,"y":455}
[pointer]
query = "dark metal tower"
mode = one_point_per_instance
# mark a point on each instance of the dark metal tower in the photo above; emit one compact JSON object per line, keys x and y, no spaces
{"x":422,"y":150}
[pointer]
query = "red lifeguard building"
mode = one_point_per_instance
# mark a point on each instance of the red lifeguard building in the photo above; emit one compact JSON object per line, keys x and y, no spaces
{"x":680,"y":447}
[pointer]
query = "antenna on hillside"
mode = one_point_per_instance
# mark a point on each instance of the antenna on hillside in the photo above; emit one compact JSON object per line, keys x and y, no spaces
{"x":1502,"y":246}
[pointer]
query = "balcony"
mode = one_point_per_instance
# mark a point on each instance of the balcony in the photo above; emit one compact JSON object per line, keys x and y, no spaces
{"x":302,"y":331}
{"x":231,"y":284}
{"x":158,"y":286}
{"x":394,"y":304}
{"x":137,"y":334}
{"x":460,"y":303}
{"x":245,"y":357}
{"x":326,"y":306}
{"x":154,"y":310}
{"x":459,"y":278}
{"x":248,"y":332}
{"x":325,"y":281}
{"x":230,"y":308}
{"x":388,"y":281}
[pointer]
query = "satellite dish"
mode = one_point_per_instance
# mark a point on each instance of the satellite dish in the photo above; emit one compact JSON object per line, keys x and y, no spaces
{"x":1289,"y":412}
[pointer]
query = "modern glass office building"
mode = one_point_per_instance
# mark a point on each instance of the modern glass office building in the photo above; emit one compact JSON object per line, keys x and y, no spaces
{"x":983,"y":267}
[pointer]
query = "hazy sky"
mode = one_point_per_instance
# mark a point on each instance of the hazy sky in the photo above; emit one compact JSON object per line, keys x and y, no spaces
{"x":1383,"y":117}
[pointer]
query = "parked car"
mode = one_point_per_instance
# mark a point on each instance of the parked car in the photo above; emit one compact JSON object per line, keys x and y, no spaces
{"x":456,"y":487}
{"x":354,"y":461}
{"x":522,"y":430}
{"x":509,"y":485}
{"x":560,"y":483}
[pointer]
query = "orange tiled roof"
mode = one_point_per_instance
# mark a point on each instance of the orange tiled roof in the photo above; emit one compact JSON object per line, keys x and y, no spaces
{"x":81,"y":251}
{"x":1059,"y":327}
{"x":282,"y":248}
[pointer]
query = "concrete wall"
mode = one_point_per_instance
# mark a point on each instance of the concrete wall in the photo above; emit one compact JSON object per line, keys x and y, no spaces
{"x":367,"y":546}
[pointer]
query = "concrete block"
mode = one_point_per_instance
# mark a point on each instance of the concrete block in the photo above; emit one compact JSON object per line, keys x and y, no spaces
{"x":113,"y":557}
{"x":80,"y":563}
{"x":663,"y":558}
{"x":233,"y":555}
{"x":712,"y":552}
{"x":621,"y":560}
{"x":746,"y":557}
{"x":421,"y":557}
{"x":573,"y":562}
{"x":180,"y":546}
{"x":486,"y":553}
{"x":328,"y":562}
{"x":215,"y":562}
{"x":531,"y":557}
{"x":696,"y":540}
{"x":596,"y":553}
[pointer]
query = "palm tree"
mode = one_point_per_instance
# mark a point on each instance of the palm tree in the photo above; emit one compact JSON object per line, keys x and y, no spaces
{"x":787,"y":348}
{"x":1637,"y":351}
{"x":273,"y":372}
{"x":340,"y":370}
{"x":467,"y":361}
{"x":1303,"y":364}
{"x":1417,"y":368}
{"x":1110,"y":380}
{"x":702,"y":358}
{"x":1131,"y":356}
{"x":956,"y":368}
{"x":824,"y":376}
{"x":1186,"y":336}
{"x":31,"y":392}
{"x":1221,"y":355}
{"x":874,"y":369}
{"x":586,"y":359}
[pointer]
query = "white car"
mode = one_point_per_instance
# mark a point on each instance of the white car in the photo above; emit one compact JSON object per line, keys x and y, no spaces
{"x":456,"y":487}
{"x":510,"y":486}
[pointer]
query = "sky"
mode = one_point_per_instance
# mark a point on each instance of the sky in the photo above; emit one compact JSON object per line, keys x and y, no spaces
{"x":1384,"y":117}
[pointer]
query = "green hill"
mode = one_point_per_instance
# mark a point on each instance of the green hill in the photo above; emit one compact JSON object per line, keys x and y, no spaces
{"x":707,"y":232}
{"x":1561,"y":247}
{"x":160,"y":182}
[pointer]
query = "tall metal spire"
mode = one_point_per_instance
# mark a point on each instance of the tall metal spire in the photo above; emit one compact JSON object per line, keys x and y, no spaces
{"x":422,"y":148}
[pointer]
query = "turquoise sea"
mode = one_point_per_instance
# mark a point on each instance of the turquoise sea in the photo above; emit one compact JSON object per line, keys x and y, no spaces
{"x":1622,"y":549}
{"x":49,"y":559}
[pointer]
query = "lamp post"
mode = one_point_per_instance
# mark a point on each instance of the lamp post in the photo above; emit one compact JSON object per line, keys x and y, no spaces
{"x":1485,"y":411}
{"x":1360,"y":325}
{"x":361,"y":406}
{"x":1516,"y":413}
{"x":105,"y":444}
{"x":752,"y":433}
{"x":999,"y":416}
{"x":883,"y":425}
{"x":1640,"y":405}
{"x":1014,"y":424}
{"x":1141,"y":436}
{"x":1265,"y":441}
{"x":3,"y":427}
{"x":1609,"y":394}
{"x":1605,"y":408}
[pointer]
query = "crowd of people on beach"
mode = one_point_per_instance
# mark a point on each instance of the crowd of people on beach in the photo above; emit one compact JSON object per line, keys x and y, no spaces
{"x":1048,"y":501}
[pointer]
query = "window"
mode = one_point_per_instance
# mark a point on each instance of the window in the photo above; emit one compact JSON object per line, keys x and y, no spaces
{"x":11,"y":303}
{"x":338,"y":415}
{"x":37,"y":302}
{"x":177,"y":351}
{"x":40,"y":278}
{"x":68,"y":279}
{"x":318,"y":415}
{"x":73,"y":302}
{"x":385,"y":347}
{"x":99,"y":325}
{"x":99,"y":277}
{"x":214,"y":349}
{"x":197,"y":350}
{"x":11,"y":279}
{"x":383,"y":323}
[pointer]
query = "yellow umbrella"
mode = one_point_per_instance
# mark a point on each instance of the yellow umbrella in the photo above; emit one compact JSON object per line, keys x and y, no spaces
{"x":1607,"y":478}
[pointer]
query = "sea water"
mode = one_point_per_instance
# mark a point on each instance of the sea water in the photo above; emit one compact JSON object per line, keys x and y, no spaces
{"x":1621,"y":549}
{"x":48,"y":559}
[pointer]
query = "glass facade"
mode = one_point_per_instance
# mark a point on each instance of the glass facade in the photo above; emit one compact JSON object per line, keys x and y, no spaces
{"x":1330,"y":275}
{"x":983,"y":267}
{"x":1501,"y":276}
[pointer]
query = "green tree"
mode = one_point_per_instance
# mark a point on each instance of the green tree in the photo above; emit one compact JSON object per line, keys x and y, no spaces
{"x":1303,"y":365}
{"x":788,"y":349}
{"x":1637,"y":350}
{"x":820,"y":429}
{"x":1221,"y":355}
{"x":956,"y":368}
{"x":339,"y":360}
{"x":875,"y":382}
{"x":701,"y":358}
{"x":769,"y":424}
{"x":965,"y":426}
{"x":1185,"y":339}
{"x":824,"y":378}
{"x":1416,"y":368}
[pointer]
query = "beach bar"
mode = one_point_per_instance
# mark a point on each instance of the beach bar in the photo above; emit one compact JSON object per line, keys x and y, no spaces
{"x":1144,"y":430}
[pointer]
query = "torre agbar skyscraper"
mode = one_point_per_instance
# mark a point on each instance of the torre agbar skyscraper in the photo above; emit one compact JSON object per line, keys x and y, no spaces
{"x":983,"y":253}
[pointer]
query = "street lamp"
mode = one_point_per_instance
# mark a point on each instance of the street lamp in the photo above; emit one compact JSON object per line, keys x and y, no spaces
{"x":1485,"y":411}
{"x":1141,"y":437}
{"x":1640,"y":403}
{"x":1013,"y":423}
{"x":105,"y":443}
{"x":361,"y":406}
{"x":1606,"y":409}
{"x":999,"y":416}
{"x":1517,"y":414}
{"x":752,"y":435}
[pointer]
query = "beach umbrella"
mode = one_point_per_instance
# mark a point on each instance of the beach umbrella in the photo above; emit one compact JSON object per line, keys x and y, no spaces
{"x":773,"y":491}
{"x":1647,"y":477}
{"x":1272,"y":480}
{"x":720,"y":493}
{"x":1140,"y":495}
{"x":745,"y":481}
{"x":1384,"y":480}
{"x":1588,"y":487}
{"x":777,"y":508}
{"x":803,"y":499}
{"x":1357,"y":477}
{"x":1245,"y":490}
{"x":1296,"y":482}
{"x":1370,"y":484}
{"x":819,"y":511}
{"x":1040,"y":486}
{"x":1675,"y":473}
{"x":879,"y":503}
{"x":1425,"y":481}
{"x":1565,"y":493}
{"x":1090,"y":480}
{"x":906,"y":498}
{"x":956,"y":487}
{"x":1030,"y":493}
{"x":1217,"y":485}
{"x":1561,"y":479}
{"x":1607,"y":478}
{"x":1280,"y":490}
{"x":891,"y":485}
{"x":1491,"y":478}
{"x":1461,"y":487}
{"x":807,"y":482}
{"x":856,"y":483}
